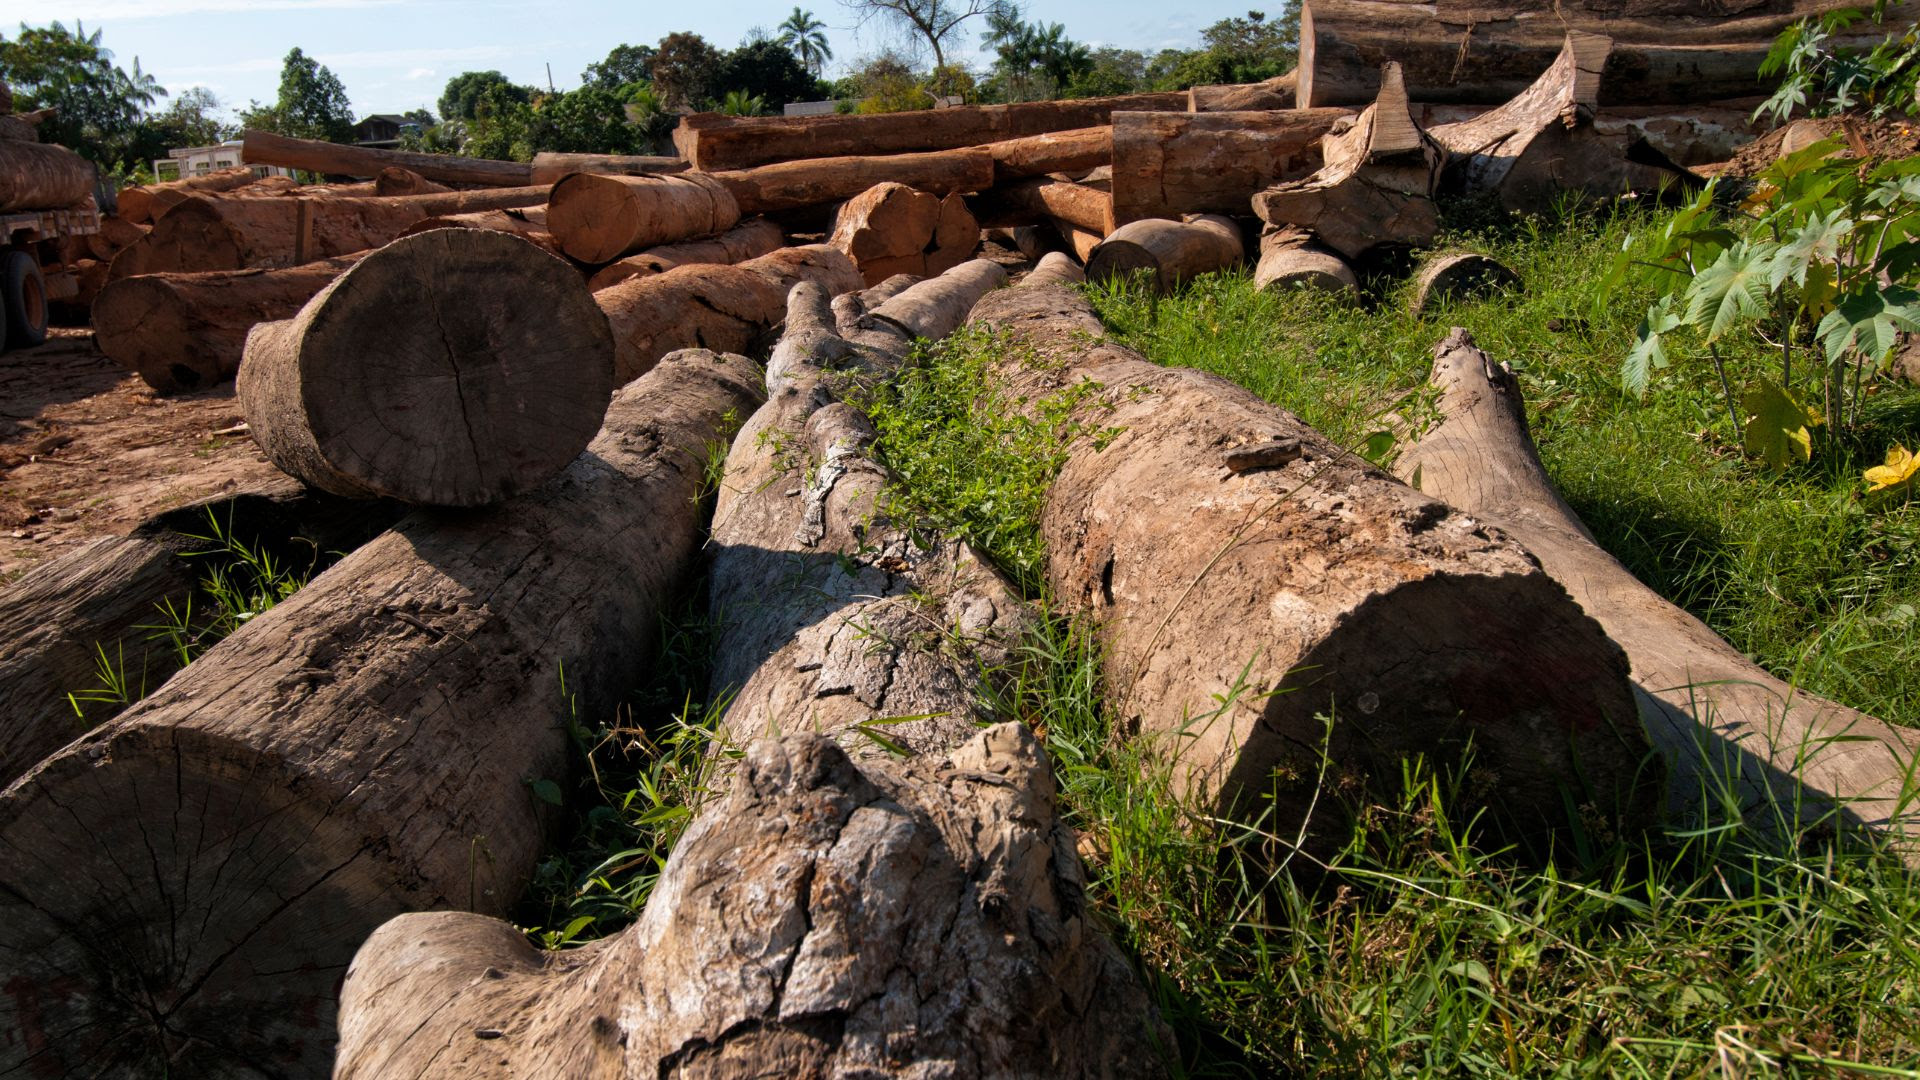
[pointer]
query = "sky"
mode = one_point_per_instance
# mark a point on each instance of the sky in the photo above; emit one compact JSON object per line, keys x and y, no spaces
{"x":394,"y":56}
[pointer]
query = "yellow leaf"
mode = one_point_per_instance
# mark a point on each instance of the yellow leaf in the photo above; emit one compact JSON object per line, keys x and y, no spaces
{"x":1899,"y":469}
{"x":1777,"y":426}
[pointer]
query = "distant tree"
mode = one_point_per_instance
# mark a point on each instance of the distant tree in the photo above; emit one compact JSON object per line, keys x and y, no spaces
{"x":420,"y":116}
{"x":624,"y":66}
{"x":1235,"y":50}
{"x":192,"y":119}
{"x":653,"y":122}
{"x":935,"y":22}
{"x":1110,"y":72}
{"x":887,"y":84}
{"x":464,"y":91}
{"x":767,"y":70}
{"x":1033,"y":59}
{"x":683,"y":70}
{"x":806,"y":36}
{"x":312,"y":103}
{"x":590,"y":120}
{"x":741,"y":103}
{"x":99,"y":104}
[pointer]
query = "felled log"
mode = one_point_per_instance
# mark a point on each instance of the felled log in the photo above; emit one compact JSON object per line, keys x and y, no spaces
{"x":361,"y":750}
{"x":1289,"y":259}
{"x":712,"y":142}
{"x":1723,"y":723}
{"x":1168,"y":164}
{"x":598,"y":218}
{"x":529,"y":223}
{"x":747,"y":240}
{"x":1460,"y":276}
{"x":1680,"y":53}
{"x":1082,"y":242}
{"x":394,"y":180}
{"x":313,"y":155}
{"x":457,"y":367}
{"x":551,"y":168}
{"x":1041,"y":198}
{"x":100,"y":602}
{"x":1542,"y":146}
{"x":892,"y":229}
{"x":791,"y":185}
{"x":188,"y":331}
{"x":216,"y":233}
{"x":1376,"y":185}
{"x":1170,"y":252}
{"x":727,"y":308}
{"x":1053,"y":152}
{"x":17,"y":129}
{"x":40,"y":176}
{"x":1055,"y":268}
{"x":1275,"y":93}
{"x":817,"y":887}
{"x":114,"y":235}
{"x":1251,"y":578}
{"x":142,"y":204}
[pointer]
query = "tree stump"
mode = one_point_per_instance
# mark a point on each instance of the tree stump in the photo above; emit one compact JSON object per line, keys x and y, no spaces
{"x":1289,"y":259}
{"x":1460,"y":276}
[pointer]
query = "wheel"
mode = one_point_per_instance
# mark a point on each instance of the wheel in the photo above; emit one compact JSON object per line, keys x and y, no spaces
{"x":23,"y":296}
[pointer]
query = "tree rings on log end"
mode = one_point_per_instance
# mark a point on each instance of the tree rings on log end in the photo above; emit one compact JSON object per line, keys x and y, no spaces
{"x":451,"y":368}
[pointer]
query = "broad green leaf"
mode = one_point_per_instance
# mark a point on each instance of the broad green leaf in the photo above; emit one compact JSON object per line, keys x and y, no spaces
{"x":1778,"y":427}
{"x":1869,"y":323}
{"x":1649,"y":352}
{"x":1817,"y":293}
{"x":547,"y":792}
{"x":1816,"y":241}
{"x":1734,"y":287}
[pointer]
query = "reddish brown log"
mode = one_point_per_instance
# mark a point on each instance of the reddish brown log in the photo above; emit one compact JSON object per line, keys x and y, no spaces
{"x":141,"y":205}
{"x":1274,"y":93}
{"x":713,"y":142}
{"x":1081,"y":242}
{"x":394,"y":180}
{"x":1030,"y":201}
{"x":598,"y":219}
{"x":1168,"y":164}
{"x":1054,"y":152}
{"x":551,"y":168}
{"x":38,"y":176}
{"x":795,"y":184}
{"x":892,"y":229}
{"x":1170,"y":252}
{"x":266,"y":148}
{"x":747,"y":240}
{"x":527,"y":222}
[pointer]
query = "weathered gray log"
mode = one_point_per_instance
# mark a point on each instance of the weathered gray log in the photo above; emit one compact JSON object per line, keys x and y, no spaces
{"x":1170,"y":252}
{"x":313,"y":155}
{"x":1055,"y":268}
{"x":1168,"y":164}
{"x":104,"y":601}
{"x":363,"y":749}
{"x":1289,"y":259}
{"x":456,"y":367}
{"x":883,"y":918}
{"x":1460,"y":276}
{"x":1251,"y":578}
{"x":1723,"y":723}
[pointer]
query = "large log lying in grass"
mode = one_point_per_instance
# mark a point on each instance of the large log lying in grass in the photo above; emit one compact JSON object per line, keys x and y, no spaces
{"x":747,"y":240}
{"x":142,"y":204}
{"x":1665,"y":54}
{"x":1289,"y":259}
{"x":551,"y":168}
{"x":456,"y":367}
{"x":188,"y":331}
{"x":226,"y":233}
{"x":1376,"y":185}
{"x":924,"y":917}
{"x":713,"y":142}
{"x":1725,"y":725}
{"x":217,"y":853}
{"x":313,"y":155}
{"x":1169,"y":252}
{"x":1168,"y":164}
{"x":101,"y":603}
{"x":725,"y":308}
{"x":40,"y":176}
{"x":1251,"y":578}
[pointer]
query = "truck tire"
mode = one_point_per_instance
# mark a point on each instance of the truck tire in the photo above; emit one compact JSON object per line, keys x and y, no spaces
{"x":23,"y":297}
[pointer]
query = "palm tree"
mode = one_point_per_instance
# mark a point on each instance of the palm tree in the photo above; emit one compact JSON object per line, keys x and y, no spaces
{"x":805,"y":35}
{"x":741,"y":103}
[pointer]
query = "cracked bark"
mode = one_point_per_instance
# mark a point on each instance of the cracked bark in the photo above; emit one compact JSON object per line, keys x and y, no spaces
{"x":827,"y":917}
{"x":180,"y":889}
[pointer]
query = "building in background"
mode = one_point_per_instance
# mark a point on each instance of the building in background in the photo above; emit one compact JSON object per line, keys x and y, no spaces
{"x":191,"y":161}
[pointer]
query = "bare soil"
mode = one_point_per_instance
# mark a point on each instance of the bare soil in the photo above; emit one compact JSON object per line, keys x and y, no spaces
{"x":87,"y":449}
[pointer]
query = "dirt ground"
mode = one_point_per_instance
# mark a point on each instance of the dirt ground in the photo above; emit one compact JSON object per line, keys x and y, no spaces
{"x":86,"y":449}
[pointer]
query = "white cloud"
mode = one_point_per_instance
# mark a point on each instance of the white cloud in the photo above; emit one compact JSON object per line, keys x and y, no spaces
{"x":121,"y":11}
{"x":420,"y":73}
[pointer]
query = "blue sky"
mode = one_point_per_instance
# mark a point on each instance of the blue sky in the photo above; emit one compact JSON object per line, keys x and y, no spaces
{"x":394,"y":56}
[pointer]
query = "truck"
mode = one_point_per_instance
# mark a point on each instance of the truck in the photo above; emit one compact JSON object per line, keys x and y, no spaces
{"x":32,"y":274}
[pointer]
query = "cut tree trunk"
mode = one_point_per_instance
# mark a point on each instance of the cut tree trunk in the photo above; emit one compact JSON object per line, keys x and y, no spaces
{"x":529,"y":223}
{"x":1461,"y":276}
{"x":1026,"y":241}
{"x":1251,"y":578}
{"x":713,"y":142}
{"x":115,"y":235}
{"x":1457,"y":51}
{"x":599,"y":218}
{"x":220,"y":233}
{"x":1055,"y":268}
{"x":188,"y":331}
{"x":1275,"y":93}
{"x":795,"y":184}
{"x":1723,"y":723}
{"x":725,"y":308}
{"x":361,"y":750}
{"x":1168,"y":164}
{"x":40,"y":176}
{"x":1171,"y":251}
{"x":1376,"y":186}
{"x":1542,"y":146}
{"x":551,"y":168}
{"x":1082,"y":242}
{"x":266,"y":148}
{"x":818,"y":920}
{"x":892,"y":229}
{"x":100,"y":603}
{"x":143,"y":205}
{"x":454,"y":368}
{"x":1028,"y":201}
{"x":1054,"y":152}
{"x":1289,"y":259}
{"x":747,"y":240}
{"x":394,"y":180}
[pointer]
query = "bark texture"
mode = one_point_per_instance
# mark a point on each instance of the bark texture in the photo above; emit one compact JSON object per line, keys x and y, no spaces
{"x":1721,"y":721}
{"x":40,"y":176}
{"x":394,"y":180}
{"x":1044,"y":198}
{"x":795,"y":184}
{"x":188,"y":331}
{"x":217,"y":853}
{"x":598,"y":218}
{"x":892,"y":229}
{"x":453,"y":368}
{"x":142,"y":205}
{"x":825,"y":918}
{"x":1168,"y":164}
{"x":1054,"y":152}
{"x":529,"y":223}
{"x":1289,"y":259}
{"x":1249,"y":576}
{"x":1055,"y":268}
{"x":551,"y":168}
{"x":713,"y":142}
{"x":1278,"y":92}
{"x":747,"y":240}
{"x":266,"y":148}
{"x":1170,"y":251}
